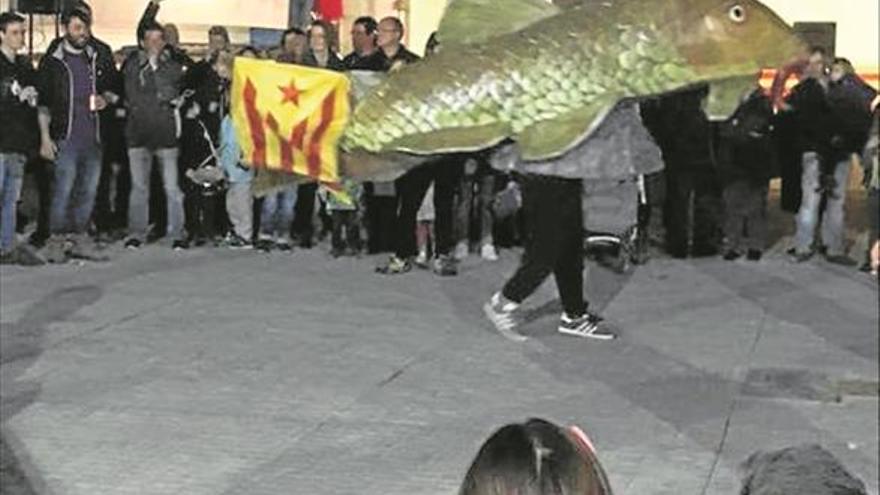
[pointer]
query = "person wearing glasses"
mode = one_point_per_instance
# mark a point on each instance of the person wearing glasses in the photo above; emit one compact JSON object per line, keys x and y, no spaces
{"x":390,"y":41}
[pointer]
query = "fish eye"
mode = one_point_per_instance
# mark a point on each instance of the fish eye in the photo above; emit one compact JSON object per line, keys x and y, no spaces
{"x":737,"y":14}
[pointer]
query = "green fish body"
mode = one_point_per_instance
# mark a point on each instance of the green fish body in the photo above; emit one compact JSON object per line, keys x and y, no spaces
{"x":549,"y":84}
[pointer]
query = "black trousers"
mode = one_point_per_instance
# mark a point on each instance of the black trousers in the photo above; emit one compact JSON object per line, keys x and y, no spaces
{"x":745,"y":207}
{"x":43,"y":174}
{"x":381,"y":214}
{"x":304,"y":213}
{"x":692,"y":212}
{"x":446,"y":174}
{"x":554,"y":241}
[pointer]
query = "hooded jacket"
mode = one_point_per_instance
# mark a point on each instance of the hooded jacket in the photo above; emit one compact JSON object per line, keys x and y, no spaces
{"x":55,"y":84}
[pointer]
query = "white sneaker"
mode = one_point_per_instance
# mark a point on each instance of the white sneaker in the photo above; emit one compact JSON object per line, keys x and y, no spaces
{"x":501,"y":313}
{"x":489,"y":253}
{"x":462,"y":250}
{"x":422,"y":260}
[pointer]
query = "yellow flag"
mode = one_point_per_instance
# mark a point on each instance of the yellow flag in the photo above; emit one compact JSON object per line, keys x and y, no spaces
{"x":289,"y":118}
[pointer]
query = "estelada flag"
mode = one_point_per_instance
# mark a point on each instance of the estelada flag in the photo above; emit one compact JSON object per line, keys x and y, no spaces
{"x":289,"y":118}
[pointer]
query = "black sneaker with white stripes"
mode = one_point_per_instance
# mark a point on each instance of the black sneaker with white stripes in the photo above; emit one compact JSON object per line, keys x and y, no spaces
{"x":586,"y":326}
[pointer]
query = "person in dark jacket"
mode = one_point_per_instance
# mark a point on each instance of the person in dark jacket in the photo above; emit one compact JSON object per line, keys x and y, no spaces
{"x":821,"y":138}
{"x":74,"y":87}
{"x":18,"y":127}
{"x":389,"y":39}
{"x":153,"y":82}
{"x":172,"y":36}
{"x":849,"y":102}
{"x":321,"y":47}
{"x":106,"y":215}
{"x":206,"y":217}
{"x":745,"y":157}
{"x":365,"y":55}
{"x":691,"y":212}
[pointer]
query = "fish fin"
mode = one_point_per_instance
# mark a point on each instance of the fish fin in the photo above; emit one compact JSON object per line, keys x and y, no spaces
{"x":726,"y":95}
{"x":553,"y":138}
{"x":475,"y":21}
{"x":453,"y":140}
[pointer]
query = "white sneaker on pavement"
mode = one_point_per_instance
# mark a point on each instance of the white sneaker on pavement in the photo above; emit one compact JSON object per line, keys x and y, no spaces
{"x":488,"y":252}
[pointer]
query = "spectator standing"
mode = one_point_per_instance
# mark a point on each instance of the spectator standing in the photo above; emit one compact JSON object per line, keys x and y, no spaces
{"x":206,"y":217}
{"x":390,"y":42}
{"x":294,"y":46}
{"x":476,"y":193}
{"x":346,"y":230}
{"x":746,"y":163}
{"x":692,"y":194}
{"x":18,"y":127}
{"x":73,"y":89}
{"x":826,"y":151}
{"x":320,"y":54}
{"x":425,"y":229}
{"x":849,"y":101}
{"x":365,"y":55}
{"x":153,"y":83}
{"x":239,"y":175}
{"x":172,"y":35}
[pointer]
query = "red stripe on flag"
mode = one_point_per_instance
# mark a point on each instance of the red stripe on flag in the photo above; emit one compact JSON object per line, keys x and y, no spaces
{"x":298,"y":135}
{"x":258,"y":136}
{"x":314,"y":154}
{"x":286,"y":151}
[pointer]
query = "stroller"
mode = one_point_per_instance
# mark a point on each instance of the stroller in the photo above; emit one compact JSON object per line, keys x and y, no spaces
{"x":614,"y":234}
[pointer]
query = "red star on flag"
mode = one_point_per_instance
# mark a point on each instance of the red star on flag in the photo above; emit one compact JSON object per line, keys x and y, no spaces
{"x":291,"y":93}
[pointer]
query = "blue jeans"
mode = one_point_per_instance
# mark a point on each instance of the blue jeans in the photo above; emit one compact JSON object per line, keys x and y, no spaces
{"x":11,"y":178}
{"x":77,"y":171}
{"x":277,"y":214}
{"x":808,"y":216}
{"x":141,"y":164}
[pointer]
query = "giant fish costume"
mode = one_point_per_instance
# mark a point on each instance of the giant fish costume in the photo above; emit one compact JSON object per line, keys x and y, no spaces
{"x":545,"y":77}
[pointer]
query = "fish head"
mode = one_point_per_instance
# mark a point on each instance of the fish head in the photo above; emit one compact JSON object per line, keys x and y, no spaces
{"x":727,"y":43}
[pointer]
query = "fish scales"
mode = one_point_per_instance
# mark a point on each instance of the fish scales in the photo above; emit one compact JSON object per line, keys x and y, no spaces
{"x":545,"y":72}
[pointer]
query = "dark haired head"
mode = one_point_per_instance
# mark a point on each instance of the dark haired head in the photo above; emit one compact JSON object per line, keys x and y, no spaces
{"x":287,"y":32}
{"x":152,"y":26}
{"x":7,"y":18}
{"x":219,"y":31}
{"x":78,"y":11}
{"x":369,"y":23}
{"x":535,"y":458}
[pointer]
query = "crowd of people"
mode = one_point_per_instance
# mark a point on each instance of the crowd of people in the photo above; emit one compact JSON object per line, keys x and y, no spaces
{"x":136,"y":146}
